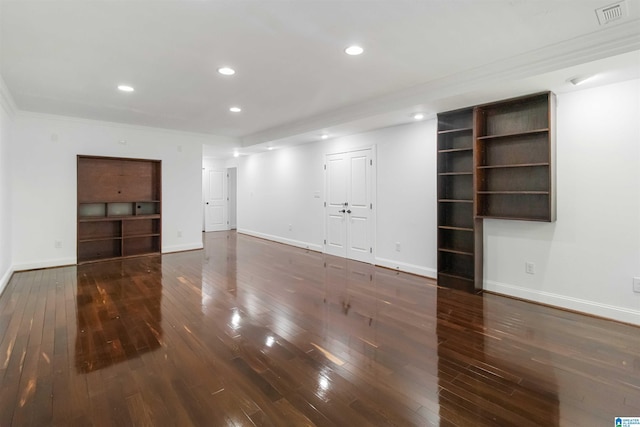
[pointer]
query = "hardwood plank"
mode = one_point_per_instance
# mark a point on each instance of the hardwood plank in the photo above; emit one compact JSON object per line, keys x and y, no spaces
{"x":250,"y":332}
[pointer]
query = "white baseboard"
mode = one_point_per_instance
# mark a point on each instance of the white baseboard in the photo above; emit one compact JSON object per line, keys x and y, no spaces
{"x":4,"y":281}
{"x":395,"y":265}
{"x":59,"y":262}
{"x":291,"y":242}
{"x":407,"y":268}
{"x":584,"y":306}
{"x":182,"y":248}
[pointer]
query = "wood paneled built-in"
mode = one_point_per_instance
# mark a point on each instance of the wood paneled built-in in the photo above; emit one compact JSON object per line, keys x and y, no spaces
{"x":119,"y":207}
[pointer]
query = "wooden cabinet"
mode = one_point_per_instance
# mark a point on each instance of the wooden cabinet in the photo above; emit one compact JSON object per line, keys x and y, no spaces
{"x":459,"y":254}
{"x":119,"y":208}
{"x":515,"y":156}
{"x":494,"y":161}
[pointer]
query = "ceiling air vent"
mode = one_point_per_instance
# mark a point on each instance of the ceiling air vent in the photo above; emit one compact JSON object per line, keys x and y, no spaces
{"x":612,"y":12}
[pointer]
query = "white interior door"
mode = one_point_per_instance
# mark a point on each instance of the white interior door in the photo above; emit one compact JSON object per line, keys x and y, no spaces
{"x":359,"y":225}
{"x":215,"y":200}
{"x":349,"y":210}
{"x":335,"y":211}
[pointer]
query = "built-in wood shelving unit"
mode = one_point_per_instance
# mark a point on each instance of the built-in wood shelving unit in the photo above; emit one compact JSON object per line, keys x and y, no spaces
{"x":514,"y":159}
{"x":459,"y":256}
{"x":119,"y":208}
{"x":494,"y":161}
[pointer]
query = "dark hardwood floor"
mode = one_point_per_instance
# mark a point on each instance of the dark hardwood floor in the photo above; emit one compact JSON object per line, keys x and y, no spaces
{"x":249,"y":332}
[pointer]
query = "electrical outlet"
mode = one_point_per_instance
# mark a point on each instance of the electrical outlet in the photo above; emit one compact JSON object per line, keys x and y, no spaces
{"x":530,"y":268}
{"x":290,"y":227}
{"x":397,"y":246}
{"x":57,"y":244}
{"x":636,"y":284}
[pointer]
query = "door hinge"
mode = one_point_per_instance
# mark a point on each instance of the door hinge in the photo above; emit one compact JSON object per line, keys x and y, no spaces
{"x":325,"y":204}
{"x":370,"y":162}
{"x":370,"y":205}
{"x":325,"y":167}
{"x":227,"y":175}
{"x":325,"y":241}
{"x":370,"y":250}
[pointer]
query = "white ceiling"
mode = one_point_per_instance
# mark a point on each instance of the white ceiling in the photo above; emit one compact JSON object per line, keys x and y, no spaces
{"x":293,"y":80}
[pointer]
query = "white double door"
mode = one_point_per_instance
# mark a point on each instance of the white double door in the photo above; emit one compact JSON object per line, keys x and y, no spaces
{"x":349,"y":205}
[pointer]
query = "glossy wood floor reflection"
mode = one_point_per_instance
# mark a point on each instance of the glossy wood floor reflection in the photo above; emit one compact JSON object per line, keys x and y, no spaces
{"x":249,"y":332}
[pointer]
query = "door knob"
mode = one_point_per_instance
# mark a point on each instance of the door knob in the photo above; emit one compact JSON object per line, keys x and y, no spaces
{"x":349,"y":211}
{"x":342,"y":211}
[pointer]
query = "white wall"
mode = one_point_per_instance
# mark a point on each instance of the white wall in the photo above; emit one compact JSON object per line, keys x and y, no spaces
{"x":587,"y":258}
{"x":277,"y":188}
{"x":44,"y":150}
{"x":5,"y":191}
{"x":280,"y":187}
{"x":407,"y":189}
{"x":584,"y":261}
{"x":213,"y":163}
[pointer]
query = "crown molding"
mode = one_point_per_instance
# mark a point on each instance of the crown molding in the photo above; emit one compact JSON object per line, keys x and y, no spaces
{"x":206,"y":138}
{"x":601,"y":44}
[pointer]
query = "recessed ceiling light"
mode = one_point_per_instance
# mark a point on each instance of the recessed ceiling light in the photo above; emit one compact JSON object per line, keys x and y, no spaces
{"x":418,"y":116}
{"x":226,"y":71}
{"x":353,"y":50}
{"x":236,"y":154}
{"x":125,"y":88}
{"x":324,"y":136}
{"x":269,"y":148}
{"x":235,"y":109}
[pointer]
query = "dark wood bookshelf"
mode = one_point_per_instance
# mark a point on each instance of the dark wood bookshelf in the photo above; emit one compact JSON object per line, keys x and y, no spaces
{"x":453,"y":150}
{"x":119,"y":208}
{"x":494,"y":161}
{"x":455,"y":173}
{"x":459,"y":254}
{"x":515,"y":151}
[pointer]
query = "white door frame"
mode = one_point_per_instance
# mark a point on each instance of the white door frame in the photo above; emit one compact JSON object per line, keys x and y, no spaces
{"x":232,"y":198}
{"x":372,"y":222}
